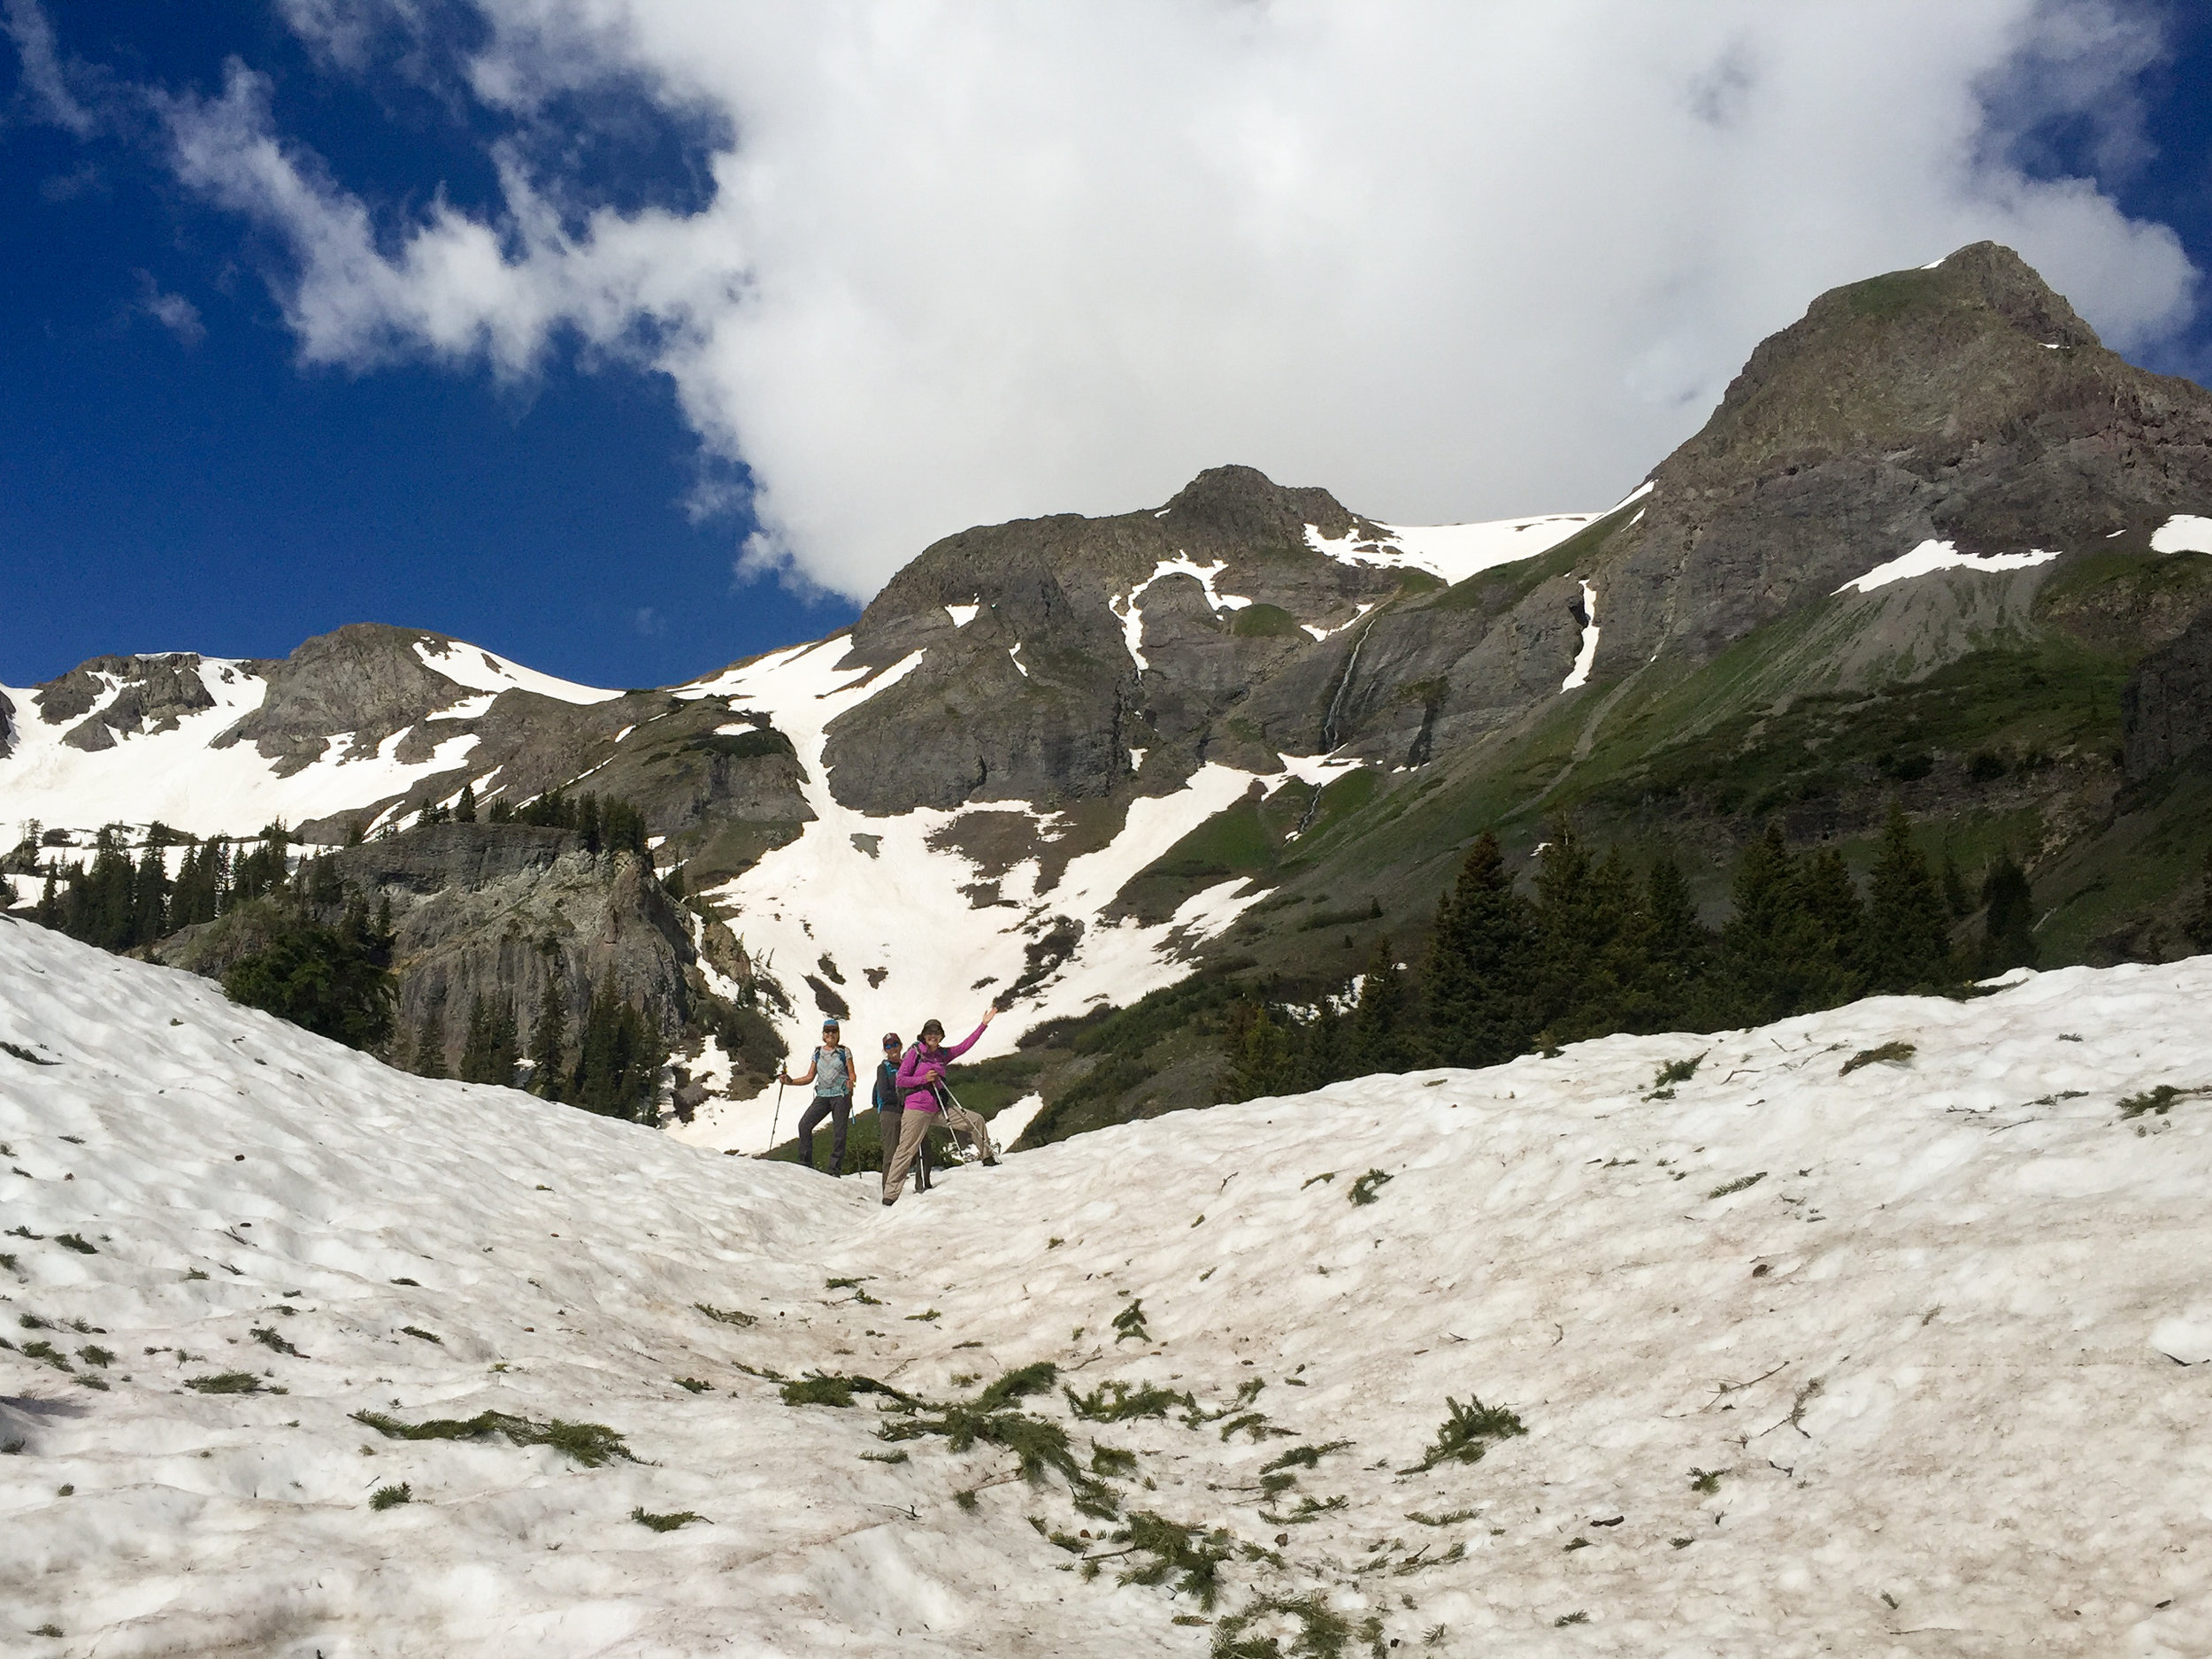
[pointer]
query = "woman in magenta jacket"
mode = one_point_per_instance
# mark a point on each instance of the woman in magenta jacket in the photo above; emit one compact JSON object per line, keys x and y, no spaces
{"x":920,"y":1071}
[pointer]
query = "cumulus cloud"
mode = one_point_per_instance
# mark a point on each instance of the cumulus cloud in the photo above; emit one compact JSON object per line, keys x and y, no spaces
{"x":956,"y":264}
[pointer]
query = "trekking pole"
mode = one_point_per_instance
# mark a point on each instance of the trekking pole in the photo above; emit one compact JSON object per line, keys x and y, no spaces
{"x":778,"y":1118}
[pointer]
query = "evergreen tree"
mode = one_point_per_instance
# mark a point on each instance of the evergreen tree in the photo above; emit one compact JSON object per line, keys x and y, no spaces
{"x":464,"y":805}
{"x":1559,"y":962}
{"x":617,"y":1060}
{"x":325,"y":888}
{"x":318,"y":978}
{"x":489,"y":1055}
{"x":430,"y":1042}
{"x":150,"y":897}
{"x":1474,"y":980}
{"x":549,"y":1036}
{"x":1323,"y":1054}
{"x":1955,"y":898}
{"x":2008,"y":918}
{"x":1831,"y":901}
{"x":1908,"y":930}
{"x":1383,"y":1038}
{"x":197,"y":894}
{"x":1677,"y":952}
{"x":1780,"y":959}
{"x":1262,"y":1059}
{"x":476,"y":1046}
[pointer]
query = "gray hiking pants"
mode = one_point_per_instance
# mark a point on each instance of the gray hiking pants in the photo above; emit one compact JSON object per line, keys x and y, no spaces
{"x":959,"y":1119}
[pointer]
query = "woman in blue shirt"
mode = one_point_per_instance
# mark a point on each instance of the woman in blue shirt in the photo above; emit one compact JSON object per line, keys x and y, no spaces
{"x":831,"y":1071}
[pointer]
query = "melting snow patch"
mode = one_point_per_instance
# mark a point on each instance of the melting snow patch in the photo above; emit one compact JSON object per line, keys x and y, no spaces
{"x":1930,"y":556}
{"x":1452,"y":552}
{"x":1323,"y":633}
{"x":1014,"y":656}
{"x":2183,"y":533}
{"x":962,"y":615}
{"x":1131,"y":614}
{"x":1579,"y":675}
{"x":479,"y":670}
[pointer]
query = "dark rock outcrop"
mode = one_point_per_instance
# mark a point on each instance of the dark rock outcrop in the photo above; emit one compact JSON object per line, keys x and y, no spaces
{"x":2166,"y":708}
{"x":1038,"y":698}
{"x":154,"y":693}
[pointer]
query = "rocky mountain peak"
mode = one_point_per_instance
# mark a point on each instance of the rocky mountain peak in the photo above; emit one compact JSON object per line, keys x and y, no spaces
{"x":1951,"y":353}
{"x":1963,"y":403}
{"x":1241,"y":509}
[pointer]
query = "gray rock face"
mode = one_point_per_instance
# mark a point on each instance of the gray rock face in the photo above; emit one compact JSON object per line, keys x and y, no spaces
{"x":1966,"y":403}
{"x":365,"y":678}
{"x":496,"y":910}
{"x":2166,"y":708}
{"x":154,"y":694}
{"x":1039,"y":698}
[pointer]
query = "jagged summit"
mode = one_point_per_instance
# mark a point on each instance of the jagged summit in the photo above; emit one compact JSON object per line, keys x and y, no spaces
{"x":1243,"y":507}
{"x":1950,"y":354}
{"x":1963,"y":403}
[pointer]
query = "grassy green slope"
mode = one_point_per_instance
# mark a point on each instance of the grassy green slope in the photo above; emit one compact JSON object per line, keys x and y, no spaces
{"x":2011,"y":748}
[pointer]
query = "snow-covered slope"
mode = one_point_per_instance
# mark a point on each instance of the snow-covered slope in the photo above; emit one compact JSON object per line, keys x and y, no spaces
{"x":1810,"y":1359}
{"x":176,"y":774}
{"x":1453,"y":552}
{"x":885,"y":906}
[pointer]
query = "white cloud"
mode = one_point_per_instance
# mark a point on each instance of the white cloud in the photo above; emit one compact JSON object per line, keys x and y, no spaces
{"x":966,"y":262}
{"x":174,"y":312}
{"x":45,"y":85}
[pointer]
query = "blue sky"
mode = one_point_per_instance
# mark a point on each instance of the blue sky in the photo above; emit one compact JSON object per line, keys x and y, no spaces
{"x":195,"y":455}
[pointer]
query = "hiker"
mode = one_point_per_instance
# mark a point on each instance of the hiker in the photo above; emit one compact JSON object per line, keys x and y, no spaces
{"x":831,"y":1071}
{"x":921,"y":1081}
{"x":890,"y":1115}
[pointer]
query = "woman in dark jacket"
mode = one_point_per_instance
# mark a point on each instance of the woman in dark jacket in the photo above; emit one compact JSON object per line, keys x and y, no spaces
{"x":890,"y":1114}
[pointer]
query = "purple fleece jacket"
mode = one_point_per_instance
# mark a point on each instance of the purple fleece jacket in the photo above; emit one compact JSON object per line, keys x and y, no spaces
{"x":921,"y":1068}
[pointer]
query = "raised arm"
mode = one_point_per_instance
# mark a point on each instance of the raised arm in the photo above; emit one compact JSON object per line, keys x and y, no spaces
{"x":954,"y":1053}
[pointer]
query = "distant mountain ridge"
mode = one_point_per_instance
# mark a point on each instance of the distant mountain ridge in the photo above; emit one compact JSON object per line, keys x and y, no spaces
{"x":1935,"y":544}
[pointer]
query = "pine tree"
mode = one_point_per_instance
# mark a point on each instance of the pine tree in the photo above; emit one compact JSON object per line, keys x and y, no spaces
{"x":2008,"y":918}
{"x":505,"y":1052}
{"x":549,"y":1036}
{"x":476,"y":1057}
{"x":1677,"y":952}
{"x":1908,"y":931}
{"x":430,"y":1042}
{"x":1560,"y":964}
{"x":1831,"y":901}
{"x":1780,"y":958}
{"x":1474,"y":981}
{"x":1383,"y":1038}
{"x":318,"y":978}
{"x":1955,"y":898}
{"x":464,"y":805}
{"x":150,"y":897}
{"x":1262,"y":1057}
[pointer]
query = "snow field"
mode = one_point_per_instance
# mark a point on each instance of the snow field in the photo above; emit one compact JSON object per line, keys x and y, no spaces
{"x":1915,"y":1359}
{"x":176,"y":777}
{"x":1453,"y":552}
{"x":1930,"y":556}
{"x":872,"y":892}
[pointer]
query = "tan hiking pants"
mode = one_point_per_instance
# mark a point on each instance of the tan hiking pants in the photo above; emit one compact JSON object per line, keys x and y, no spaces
{"x":959,"y":1119}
